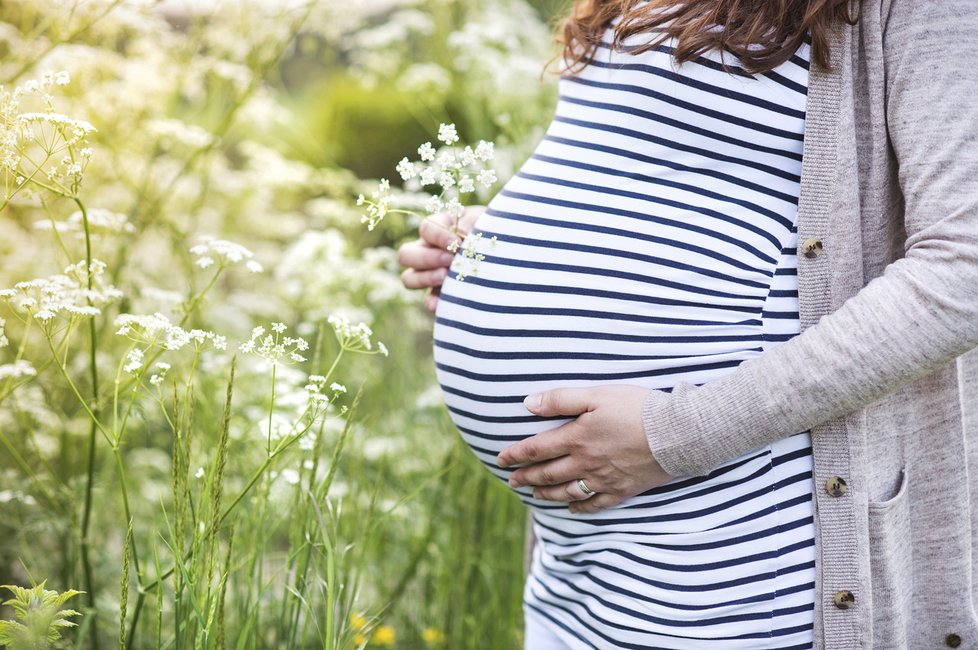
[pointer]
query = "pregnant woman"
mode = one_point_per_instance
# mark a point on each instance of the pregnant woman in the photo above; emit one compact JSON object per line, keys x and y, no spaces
{"x":717,"y":347}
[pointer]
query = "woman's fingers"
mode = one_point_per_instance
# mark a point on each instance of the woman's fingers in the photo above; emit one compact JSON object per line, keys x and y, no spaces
{"x":594,"y":504}
{"x":550,"y":475}
{"x":420,"y":256}
{"x":570,"y":491}
{"x":431,"y":300}
{"x":440,"y":230}
{"x":428,"y":258}
{"x":423,"y":279}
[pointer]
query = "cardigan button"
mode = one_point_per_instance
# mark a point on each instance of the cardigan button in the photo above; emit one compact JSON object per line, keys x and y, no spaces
{"x":952,"y":640}
{"x":844,"y":599}
{"x":836,"y":486}
{"x":811,"y":248}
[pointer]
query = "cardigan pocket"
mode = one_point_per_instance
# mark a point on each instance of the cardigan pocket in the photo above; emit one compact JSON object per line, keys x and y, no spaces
{"x":891,"y":567}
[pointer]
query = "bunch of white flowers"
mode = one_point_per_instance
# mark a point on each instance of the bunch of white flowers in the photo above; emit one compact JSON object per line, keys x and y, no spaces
{"x":273,"y":347}
{"x":355,"y":338}
{"x":65,"y":295}
{"x":224,"y":253}
{"x":318,"y":397}
{"x":3,"y":335}
{"x":31,"y":140}
{"x":149,"y":331}
{"x":156,"y":329}
{"x":17,"y":370}
{"x":99,"y":220}
{"x":454,"y":171}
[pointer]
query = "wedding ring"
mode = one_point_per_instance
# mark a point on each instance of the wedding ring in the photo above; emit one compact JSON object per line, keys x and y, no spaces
{"x":584,"y":488}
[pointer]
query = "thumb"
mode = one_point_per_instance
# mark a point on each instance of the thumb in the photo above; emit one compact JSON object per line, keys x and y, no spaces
{"x":561,"y":401}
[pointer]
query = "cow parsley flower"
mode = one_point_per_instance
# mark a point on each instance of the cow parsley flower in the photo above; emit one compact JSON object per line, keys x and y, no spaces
{"x":157,"y":378}
{"x":135,"y":358}
{"x":156,"y":329}
{"x":355,"y":338}
{"x":17,"y":370}
{"x":448,"y":134}
{"x":453,"y":170}
{"x":274,"y":348}
{"x":224,"y":253}
{"x":427,"y":152}
{"x":65,"y":295}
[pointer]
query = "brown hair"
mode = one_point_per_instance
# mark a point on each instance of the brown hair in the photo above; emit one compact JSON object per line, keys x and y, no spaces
{"x":762,"y":33}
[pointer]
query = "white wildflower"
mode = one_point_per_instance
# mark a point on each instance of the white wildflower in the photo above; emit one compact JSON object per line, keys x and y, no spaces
{"x":17,"y":370}
{"x":428,"y":176}
{"x":199,"y":473}
{"x":446,"y":180}
{"x":135,"y":358}
{"x":406,"y":169}
{"x":212,"y":251}
{"x":486,"y":178}
{"x":156,"y":329}
{"x":448,"y":134}
{"x":352,"y":337}
{"x":427,"y":152}
{"x":173,"y":131}
{"x":275,"y":348}
{"x":485,"y":151}
{"x":66,"y":295}
{"x":454,"y":208}
{"x":434,"y":205}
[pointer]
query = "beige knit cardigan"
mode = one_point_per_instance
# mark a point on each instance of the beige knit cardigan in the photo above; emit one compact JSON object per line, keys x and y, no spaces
{"x":888,"y":282}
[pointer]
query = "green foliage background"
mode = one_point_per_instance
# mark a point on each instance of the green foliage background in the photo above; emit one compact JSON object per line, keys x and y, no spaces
{"x":258,"y":123}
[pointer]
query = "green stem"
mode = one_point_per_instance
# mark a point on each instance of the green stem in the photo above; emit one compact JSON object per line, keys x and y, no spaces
{"x":271,"y":410}
{"x":95,"y":426}
{"x":117,"y":452}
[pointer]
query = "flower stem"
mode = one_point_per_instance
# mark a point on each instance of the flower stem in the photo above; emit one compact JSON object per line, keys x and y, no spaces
{"x":93,"y":429}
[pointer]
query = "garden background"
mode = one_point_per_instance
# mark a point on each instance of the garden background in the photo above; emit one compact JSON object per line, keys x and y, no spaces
{"x":198,"y":429}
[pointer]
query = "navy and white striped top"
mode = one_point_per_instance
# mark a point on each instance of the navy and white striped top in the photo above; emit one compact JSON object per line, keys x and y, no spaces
{"x":649,"y":240}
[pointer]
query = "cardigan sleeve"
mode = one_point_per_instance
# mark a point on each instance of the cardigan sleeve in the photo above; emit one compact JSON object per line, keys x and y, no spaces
{"x":919,"y":314}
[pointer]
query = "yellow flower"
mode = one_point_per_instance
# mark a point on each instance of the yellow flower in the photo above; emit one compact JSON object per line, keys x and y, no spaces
{"x":432,"y":636}
{"x":358,"y":621}
{"x":384,"y":635}
{"x":359,"y":640}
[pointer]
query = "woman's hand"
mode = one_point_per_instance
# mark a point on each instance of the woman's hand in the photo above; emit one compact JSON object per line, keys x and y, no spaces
{"x":428,"y":258}
{"x":605,"y":445}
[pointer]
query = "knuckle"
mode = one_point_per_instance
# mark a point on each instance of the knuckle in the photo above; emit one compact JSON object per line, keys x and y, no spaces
{"x":547,"y":476}
{"x":552,"y":399}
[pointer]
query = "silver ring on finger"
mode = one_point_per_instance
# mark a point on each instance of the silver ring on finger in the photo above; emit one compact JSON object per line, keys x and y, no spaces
{"x":588,"y":492}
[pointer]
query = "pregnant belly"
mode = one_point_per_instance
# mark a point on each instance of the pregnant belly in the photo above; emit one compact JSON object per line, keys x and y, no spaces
{"x":555,"y":306}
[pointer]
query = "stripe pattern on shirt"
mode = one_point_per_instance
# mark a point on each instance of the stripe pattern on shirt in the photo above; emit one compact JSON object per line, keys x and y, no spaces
{"x":649,"y":240}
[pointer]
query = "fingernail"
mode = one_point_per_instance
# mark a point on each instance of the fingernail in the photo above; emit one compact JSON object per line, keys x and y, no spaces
{"x":445,"y":259}
{"x":513,"y":483}
{"x":533,"y":402}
